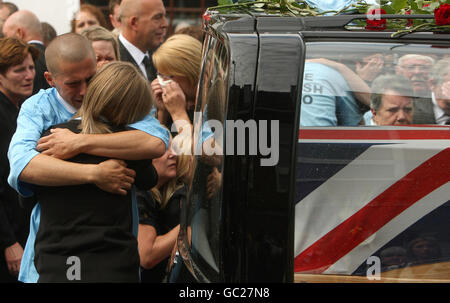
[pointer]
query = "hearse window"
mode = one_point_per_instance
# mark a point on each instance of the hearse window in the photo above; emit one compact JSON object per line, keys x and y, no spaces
{"x":373,"y":84}
{"x":372,"y":190}
{"x":205,"y":194}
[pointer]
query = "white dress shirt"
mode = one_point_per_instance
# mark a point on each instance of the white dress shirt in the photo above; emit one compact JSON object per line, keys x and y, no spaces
{"x":136,"y":53}
{"x":439,"y":114}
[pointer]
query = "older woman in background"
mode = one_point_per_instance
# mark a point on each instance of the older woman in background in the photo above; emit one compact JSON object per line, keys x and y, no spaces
{"x":16,"y":84}
{"x":88,"y":15}
{"x":104,"y":43}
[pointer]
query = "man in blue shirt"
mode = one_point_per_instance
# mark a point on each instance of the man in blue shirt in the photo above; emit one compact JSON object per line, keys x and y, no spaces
{"x":71,"y":63}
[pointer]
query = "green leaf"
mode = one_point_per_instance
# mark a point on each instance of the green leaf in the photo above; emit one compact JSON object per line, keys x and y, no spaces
{"x":388,"y":9}
{"x":397,"y":5}
{"x":413,"y":5}
{"x":224,"y":2}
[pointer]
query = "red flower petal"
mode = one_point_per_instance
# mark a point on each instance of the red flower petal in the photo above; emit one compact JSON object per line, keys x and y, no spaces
{"x":374,"y":22}
{"x":442,"y":15}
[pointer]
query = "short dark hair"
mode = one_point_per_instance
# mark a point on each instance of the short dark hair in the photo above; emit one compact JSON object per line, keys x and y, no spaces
{"x":112,"y":4}
{"x":93,"y":10}
{"x":396,"y":83}
{"x":48,"y":32}
{"x":14,"y":51}
{"x":11,"y":6}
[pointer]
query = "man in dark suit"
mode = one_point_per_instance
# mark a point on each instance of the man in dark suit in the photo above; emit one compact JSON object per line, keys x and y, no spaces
{"x":417,"y":68}
{"x":441,"y":91}
{"x":25,"y":25}
{"x":144,"y":28}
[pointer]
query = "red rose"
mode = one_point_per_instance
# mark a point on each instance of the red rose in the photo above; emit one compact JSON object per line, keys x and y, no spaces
{"x":206,"y":16}
{"x":410,"y":21}
{"x":442,"y":15}
{"x":374,"y":22}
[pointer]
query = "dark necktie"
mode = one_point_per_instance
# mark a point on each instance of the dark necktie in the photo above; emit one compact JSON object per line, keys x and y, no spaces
{"x":149,"y":68}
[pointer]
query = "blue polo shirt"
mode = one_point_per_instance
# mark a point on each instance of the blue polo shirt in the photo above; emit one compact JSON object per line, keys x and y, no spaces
{"x":37,"y":114}
{"x":327,"y":99}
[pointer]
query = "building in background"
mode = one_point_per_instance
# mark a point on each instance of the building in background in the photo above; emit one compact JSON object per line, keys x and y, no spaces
{"x":56,"y":13}
{"x":60,"y":13}
{"x":178,"y":11}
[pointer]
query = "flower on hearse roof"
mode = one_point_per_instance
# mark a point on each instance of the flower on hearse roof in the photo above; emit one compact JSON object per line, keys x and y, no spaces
{"x":374,"y":21}
{"x":391,"y":7}
{"x":442,"y":14}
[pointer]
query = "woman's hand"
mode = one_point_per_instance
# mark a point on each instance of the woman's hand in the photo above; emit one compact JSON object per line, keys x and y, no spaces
{"x":61,"y":143}
{"x":13,"y":257}
{"x":174,"y":101}
{"x":157,"y":94}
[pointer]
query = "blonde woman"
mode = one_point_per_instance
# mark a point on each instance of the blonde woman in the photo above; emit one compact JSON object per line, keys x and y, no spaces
{"x":159,"y":209}
{"x":82,"y":224}
{"x":178,"y":62}
{"x":104,"y":43}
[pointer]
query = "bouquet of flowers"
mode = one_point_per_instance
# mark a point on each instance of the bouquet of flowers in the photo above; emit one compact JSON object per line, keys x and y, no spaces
{"x":440,"y":9}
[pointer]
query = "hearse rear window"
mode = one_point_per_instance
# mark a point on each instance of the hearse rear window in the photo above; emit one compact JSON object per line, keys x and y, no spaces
{"x":372,"y":170}
{"x":370,"y":84}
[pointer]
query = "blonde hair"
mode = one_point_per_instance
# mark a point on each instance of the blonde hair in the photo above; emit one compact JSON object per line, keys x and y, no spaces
{"x":117,"y":95}
{"x":181,"y":143}
{"x":180,"y":55}
{"x":99,"y":33}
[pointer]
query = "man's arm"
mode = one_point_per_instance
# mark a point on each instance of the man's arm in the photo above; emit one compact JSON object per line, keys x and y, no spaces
{"x":31,"y":122}
{"x":153,"y":248}
{"x":149,"y":140}
{"x":127,"y":145}
{"x":356,"y":83}
{"x":111,"y":175}
{"x":28,"y":166}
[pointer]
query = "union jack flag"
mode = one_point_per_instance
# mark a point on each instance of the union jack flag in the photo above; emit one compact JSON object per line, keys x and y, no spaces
{"x":359,"y":187}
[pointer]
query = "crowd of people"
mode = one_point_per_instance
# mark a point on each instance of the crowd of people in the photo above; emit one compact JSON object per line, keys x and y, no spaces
{"x":91,"y":119}
{"x":376,"y":89}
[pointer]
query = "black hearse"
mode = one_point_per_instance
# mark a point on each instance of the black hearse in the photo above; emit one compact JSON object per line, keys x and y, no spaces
{"x":307,"y":182}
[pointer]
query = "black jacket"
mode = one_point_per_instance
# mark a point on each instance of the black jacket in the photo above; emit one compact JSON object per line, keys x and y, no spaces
{"x":40,"y":68}
{"x":126,"y":56}
{"x":13,"y":219}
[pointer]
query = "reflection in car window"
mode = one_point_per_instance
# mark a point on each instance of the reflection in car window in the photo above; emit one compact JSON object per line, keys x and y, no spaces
{"x":371,"y":164}
{"x":205,"y":194}
{"x":342,"y":80}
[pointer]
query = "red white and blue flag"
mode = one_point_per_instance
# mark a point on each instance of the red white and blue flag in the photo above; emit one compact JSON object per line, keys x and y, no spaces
{"x":358,"y":188}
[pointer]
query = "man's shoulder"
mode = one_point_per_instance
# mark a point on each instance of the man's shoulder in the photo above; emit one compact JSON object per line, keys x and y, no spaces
{"x":124,"y":53}
{"x":316,"y":71}
{"x":41,"y":98}
{"x":44,"y":103}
